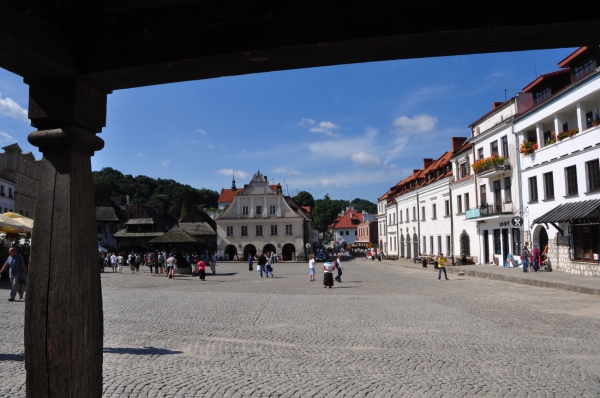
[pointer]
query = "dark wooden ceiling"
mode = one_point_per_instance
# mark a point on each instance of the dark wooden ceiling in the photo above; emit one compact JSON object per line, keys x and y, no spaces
{"x":128,"y":43}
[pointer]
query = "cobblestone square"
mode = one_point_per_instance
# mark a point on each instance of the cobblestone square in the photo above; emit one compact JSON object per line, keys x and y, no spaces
{"x":386,"y":331}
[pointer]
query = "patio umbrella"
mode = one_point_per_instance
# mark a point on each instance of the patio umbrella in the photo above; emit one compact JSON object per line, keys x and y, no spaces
{"x":22,"y":221}
{"x":9,"y":225}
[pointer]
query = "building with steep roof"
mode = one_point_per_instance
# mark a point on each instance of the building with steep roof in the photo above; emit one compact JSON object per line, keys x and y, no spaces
{"x":109,"y":219}
{"x":23,"y":170}
{"x":144,"y":225}
{"x":260,"y":219}
{"x":345,"y":225}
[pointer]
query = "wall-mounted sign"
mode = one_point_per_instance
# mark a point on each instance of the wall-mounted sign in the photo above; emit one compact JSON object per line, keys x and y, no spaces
{"x":517,"y":221}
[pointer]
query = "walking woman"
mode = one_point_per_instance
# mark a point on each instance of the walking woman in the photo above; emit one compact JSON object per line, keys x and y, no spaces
{"x":268,"y":268}
{"x":201,"y":268}
{"x":250,"y":260}
{"x":311,"y":267}
{"x":525,"y":255}
{"x":171,"y":266}
{"x":328,"y":274}
{"x":536,"y":258}
{"x":442,"y":266}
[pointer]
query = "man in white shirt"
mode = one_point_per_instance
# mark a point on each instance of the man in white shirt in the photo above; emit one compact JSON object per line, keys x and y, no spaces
{"x":113,"y":262}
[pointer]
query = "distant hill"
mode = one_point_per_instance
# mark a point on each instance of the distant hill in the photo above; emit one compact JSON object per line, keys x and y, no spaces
{"x":173,"y":196}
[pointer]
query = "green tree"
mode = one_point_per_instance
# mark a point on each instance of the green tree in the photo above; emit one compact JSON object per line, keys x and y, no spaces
{"x":363,"y":204}
{"x":304,"y":198}
{"x":324,"y":212}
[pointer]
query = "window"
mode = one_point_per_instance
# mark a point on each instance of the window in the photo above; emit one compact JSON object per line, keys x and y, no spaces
{"x":565,"y":127}
{"x":10,"y":195}
{"x":112,"y":227}
{"x":355,"y":233}
{"x":571,"y":173}
{"x":516,"y":241}
{"x":540,"y":96}
{"x":507,"y":191}
{"x":439,"y":245}
{"x":347,"y":233}
{"x":230,"y":231}
{"x":480,"y":153}
{"x":27,"y":215}
{"x":588,"y":119}
{"x":259,"y":230}
{"x":271,"y":209}
{"x":2,"y":190}
{"x":423,"y":213}
{"x":504,"y":141}
{"x":464,"y":171}
{"x":244,"y":209}
{"x":400,"y":215}
{"x":548,"y":186}
{"x":466,"y":201}
{"x":494,"y":148}
{"x":583,"y":69}
{"x":273,"y":230}
{"x":288,"y":229}
{"x":414,"y":213}
{"x":586,"y":240}
{"x":533,"y":194}
{"x":244,"y":230}
{"x":459,"y":208}
{"x":497,"y":245}
{"x":434,"y":211}
{"x":431,"y":245}
{"x":406,"y":215}
{"x":258,"y":210}
{"x":593,"y":175}
{"x":100,"y":229}
{"x":448,"y":245}
{"x":424,"y":245}
{"x":482,"y":195}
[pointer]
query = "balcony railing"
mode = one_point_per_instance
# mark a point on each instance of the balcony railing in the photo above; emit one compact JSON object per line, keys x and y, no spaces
{"x":491,"y":166}
{"x":490,"y":210}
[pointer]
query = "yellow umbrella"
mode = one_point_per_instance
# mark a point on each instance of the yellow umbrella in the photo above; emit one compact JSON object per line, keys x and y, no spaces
{"x":23,"y":224}
{"x":10,"y":225}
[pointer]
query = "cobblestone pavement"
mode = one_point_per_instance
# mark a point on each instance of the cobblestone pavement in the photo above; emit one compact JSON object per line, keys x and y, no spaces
{"x":385,"y":331}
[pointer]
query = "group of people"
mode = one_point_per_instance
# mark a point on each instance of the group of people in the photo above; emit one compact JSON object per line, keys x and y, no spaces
{"x":264,"y":263}
{"x":328,"y":269}
{"x":533,"y":259}
{"x":117,"y":262}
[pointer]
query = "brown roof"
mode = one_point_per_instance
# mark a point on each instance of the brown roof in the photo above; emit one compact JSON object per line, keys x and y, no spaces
{"x":227,"y":195}
{"x":565,"y":63}
{"x":544,"y":77}
{"x":175,"y":235}
{"x":345,"y":221}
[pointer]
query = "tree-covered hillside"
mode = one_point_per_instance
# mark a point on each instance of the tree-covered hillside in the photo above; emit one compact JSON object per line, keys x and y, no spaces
{"x":176,"y":198}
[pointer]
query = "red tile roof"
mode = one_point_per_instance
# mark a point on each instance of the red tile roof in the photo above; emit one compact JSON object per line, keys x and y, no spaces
{"x":542,"y":78}
{"x":345,"y":221}
{"x":227,"y":195}
{"x":565,"y":63}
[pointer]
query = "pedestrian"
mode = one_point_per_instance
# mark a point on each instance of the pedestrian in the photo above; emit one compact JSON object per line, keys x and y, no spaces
{"x":525,"y":255}
{"x":201,"y":269}
{"x":213,"y":262}
{"x":311,"y":267}
{"x":161,"y":262}
{"x":171,"y":266}
{"x":17,"y":273}
{"x":260,"y":265}
{"x":268,"y":268}
{"x":338,"y":265}
{"x":120,"y":263}
{"x":250,"y":261}
{"x":536,"y":258}
{"x":136,"y":263}
{"x":113,"y":262}
{"x":328,"y":274}
{"x":442,"y":266}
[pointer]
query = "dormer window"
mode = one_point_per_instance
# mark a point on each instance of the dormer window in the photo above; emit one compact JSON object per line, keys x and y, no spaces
{"x":583,"y":68}
{"x":540,"y":96}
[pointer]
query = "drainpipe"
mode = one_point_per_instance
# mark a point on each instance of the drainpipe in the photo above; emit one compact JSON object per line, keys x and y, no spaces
{"x":518,"y":162}
{"x":397,"y":230}
{"x":418,"y":226}
{"x":451,"y":224}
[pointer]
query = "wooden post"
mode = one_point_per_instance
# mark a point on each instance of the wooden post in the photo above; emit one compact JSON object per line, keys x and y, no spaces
{"x":63,"y":311}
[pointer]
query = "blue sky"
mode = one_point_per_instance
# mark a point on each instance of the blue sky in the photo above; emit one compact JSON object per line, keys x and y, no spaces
{"x":350,"y":131}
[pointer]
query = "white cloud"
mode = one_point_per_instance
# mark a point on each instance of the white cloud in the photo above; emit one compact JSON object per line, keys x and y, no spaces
{"x":231,"y":172}
{"x":5,"y":137}
{"x":366,"y":159}
{"x":325,"y":128}
{"x":210,"y":146}
{"x":192,"y":142}
{"x":165,"y":162}
{"x":8,"y":107}
{"x":306,"y":122}
{"x":203,"y":132}
{"x":418,"y":124}
{"x":282,"y":170}
{"x":140,"y":155}
{"x":326,"y":182}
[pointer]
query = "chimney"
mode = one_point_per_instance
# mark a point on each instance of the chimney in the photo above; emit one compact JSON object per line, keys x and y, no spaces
{"x":426,"y":163}
{"x":496,"y":104}
{"x":457,"y":142}
{"x":415,"y":171}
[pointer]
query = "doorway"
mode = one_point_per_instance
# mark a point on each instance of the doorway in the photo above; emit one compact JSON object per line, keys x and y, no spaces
{"x":543,"y":239}
{"x":504,"y":245}
{"x":486,"y":247}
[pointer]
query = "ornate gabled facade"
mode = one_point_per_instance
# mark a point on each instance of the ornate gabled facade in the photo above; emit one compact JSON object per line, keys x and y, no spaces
{"x":260,"y":219}
{"x":23,"y":170}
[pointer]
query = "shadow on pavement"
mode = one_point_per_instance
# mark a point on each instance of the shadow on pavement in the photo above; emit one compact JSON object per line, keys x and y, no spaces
{"x":141,"y":351}
{"x":12,"y":357}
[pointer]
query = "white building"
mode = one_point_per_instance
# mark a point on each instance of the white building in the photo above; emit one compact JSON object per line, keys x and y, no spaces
{"x":382,"y":222}
{"x":7,"y":197}
{"x":260,"y":219}
{"x":345,"y":225}
{"x":496,"y":197}
{"x":561,"y":178}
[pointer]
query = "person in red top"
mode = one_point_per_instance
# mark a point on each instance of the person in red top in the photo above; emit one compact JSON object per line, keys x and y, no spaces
{"x":201,"y":268}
